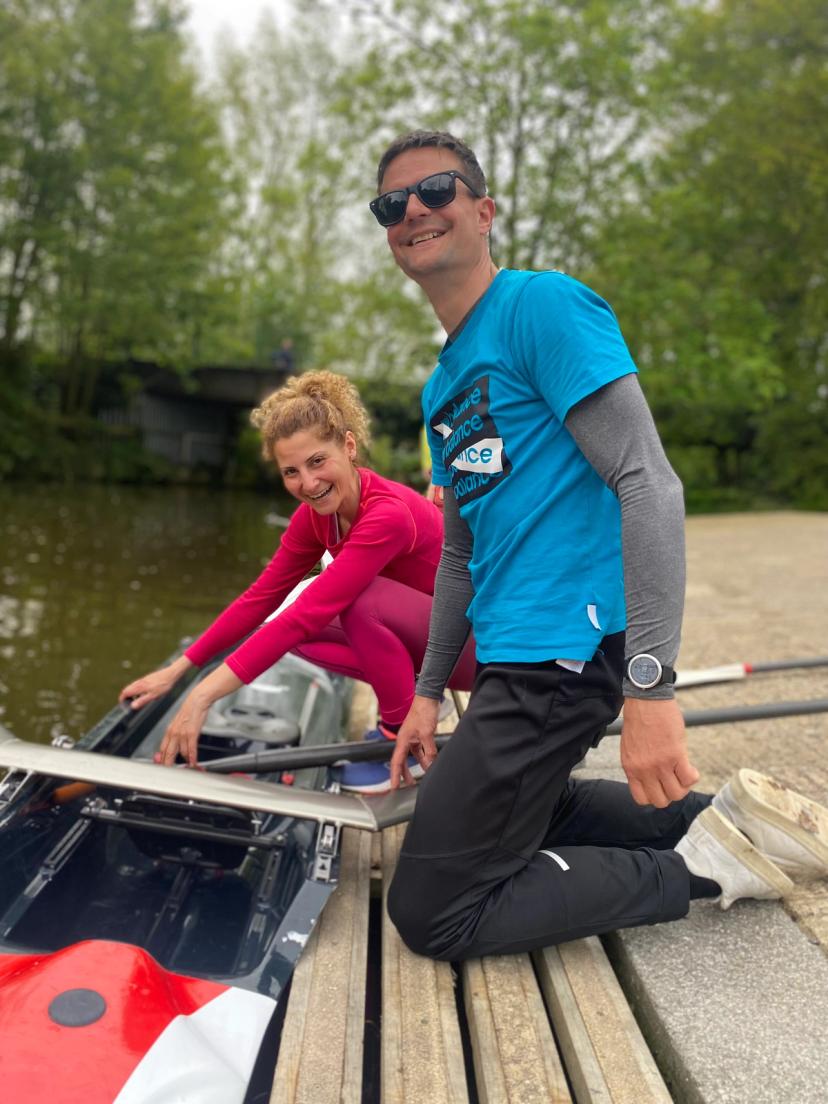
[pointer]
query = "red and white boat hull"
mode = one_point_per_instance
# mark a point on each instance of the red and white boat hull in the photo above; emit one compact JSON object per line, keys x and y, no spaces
{"x":103,"y":1023}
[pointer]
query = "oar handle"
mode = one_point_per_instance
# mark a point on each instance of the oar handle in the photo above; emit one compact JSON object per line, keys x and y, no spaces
{"x":322,"y":755}
{"x":294,"y":758}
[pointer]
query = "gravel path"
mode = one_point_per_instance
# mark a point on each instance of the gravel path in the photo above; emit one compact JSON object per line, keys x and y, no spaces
{"x":757,"y":589}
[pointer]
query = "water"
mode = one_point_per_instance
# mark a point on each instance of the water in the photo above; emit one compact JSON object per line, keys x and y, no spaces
{"x":99,"y":584}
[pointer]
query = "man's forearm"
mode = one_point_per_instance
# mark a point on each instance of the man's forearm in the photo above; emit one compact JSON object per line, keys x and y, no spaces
{"x":449,"y":627}
{"x":615,"y":431}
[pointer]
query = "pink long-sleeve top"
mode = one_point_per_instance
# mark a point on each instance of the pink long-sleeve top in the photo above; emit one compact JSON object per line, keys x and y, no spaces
{"x":396,"y":533}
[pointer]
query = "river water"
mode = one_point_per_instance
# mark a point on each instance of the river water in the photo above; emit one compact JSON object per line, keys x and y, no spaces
{"x":99,"y":584}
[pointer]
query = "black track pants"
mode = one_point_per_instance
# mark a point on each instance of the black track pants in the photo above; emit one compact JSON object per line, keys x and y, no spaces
{"x":505,"y":852}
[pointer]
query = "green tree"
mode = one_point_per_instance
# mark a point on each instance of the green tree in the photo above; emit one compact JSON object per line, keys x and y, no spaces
{"x":549,"y":95}
{"x":113,"y":190}
{"x":718,"y":266}
{"x":313,"y":265}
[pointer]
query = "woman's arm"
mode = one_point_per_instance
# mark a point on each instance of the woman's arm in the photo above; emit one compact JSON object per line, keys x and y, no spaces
{"x":372,"y":544}
{"x":384,"y":532}
{"x":154,"y":685}
{"x":181,"y":738}
{"x":297,"y":553}
{"x":299,"y":550}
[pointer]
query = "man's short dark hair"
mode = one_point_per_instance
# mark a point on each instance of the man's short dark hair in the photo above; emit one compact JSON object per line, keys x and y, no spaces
{"x":438,"y":139}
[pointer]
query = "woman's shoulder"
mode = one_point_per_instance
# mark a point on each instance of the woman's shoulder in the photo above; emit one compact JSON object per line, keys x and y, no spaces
{"x":304,"y":526}
{"x":378,"y":488}
{"x":387,"y":496}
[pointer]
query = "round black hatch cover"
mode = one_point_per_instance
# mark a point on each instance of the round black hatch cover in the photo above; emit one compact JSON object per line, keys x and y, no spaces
{"x":77,"y":1007}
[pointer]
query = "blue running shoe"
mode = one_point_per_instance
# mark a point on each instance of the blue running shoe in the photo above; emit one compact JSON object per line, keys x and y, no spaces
{"x":373,"y":777}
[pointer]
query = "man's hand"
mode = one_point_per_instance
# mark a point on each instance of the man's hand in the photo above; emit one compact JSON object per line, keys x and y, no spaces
{"x":654,"y":752}
{"x":416,"y":737}
{"x":435,"y":494}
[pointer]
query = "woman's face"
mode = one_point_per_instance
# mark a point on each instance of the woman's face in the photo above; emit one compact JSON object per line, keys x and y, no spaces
{"x":320,"y":472}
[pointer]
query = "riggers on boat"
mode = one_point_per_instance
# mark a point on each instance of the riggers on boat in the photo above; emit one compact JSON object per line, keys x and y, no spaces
{"x":151,"y":917}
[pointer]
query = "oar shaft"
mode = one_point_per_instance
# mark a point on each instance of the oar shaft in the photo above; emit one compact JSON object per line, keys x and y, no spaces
{"x":733,"y":672}
{"x":787,"y":664}
{"x":295,"y":758}
{"x":695,"y":718}
{"x":326,"y":754}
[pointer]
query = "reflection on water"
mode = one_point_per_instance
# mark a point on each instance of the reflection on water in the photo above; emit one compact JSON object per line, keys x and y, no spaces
{"x":99,"y":585}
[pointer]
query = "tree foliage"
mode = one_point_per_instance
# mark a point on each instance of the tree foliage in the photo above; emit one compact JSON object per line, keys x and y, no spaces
{"x":720,"y":260}
{"x":314,"y":268}
{"x":112,"y":192}
{"x":673,"y":153}
{"x":549,"y":95}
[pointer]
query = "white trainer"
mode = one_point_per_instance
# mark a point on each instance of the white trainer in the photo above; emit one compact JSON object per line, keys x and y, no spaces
{"x":715,"y":848}
{"x":789,"y":829}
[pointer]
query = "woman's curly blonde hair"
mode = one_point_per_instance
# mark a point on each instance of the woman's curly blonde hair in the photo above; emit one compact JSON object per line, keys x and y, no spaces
{"x":324,"y":403}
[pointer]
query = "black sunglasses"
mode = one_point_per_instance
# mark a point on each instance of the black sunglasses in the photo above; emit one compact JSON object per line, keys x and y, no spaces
{"x":437,"y":190}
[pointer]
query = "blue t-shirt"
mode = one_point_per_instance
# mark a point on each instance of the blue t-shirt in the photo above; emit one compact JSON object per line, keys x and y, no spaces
{"x":546,"y":564}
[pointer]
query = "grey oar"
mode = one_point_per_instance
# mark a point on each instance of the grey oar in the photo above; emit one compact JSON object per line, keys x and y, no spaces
{"x":733,"y":672}
{"x":290,"y":759}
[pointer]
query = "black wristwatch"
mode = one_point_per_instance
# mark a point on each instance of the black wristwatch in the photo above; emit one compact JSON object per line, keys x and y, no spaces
{"x":646,"y":672}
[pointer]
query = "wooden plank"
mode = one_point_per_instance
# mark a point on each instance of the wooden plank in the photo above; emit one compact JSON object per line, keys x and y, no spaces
{"x":422,"y":1053}
{"x":606,"y":1056}
{"x":362,"y":716}
{"x":320,"y":1056}
{"x":461,"y":701}
{"x":515,"y":1057}
{"x":582,"y":1063}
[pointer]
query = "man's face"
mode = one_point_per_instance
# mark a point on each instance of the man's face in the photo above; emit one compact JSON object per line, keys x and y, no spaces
{"x":430,"y":242}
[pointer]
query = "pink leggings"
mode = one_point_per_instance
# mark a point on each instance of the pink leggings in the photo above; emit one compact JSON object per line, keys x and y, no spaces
{"x":381,"y":639}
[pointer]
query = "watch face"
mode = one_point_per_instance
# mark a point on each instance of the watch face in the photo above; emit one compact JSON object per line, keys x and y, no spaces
{"x":644,"y":671}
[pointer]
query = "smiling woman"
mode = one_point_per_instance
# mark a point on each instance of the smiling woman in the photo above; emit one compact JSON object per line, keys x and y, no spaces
{"x":365,"y":616}
{"x":313,"y":428}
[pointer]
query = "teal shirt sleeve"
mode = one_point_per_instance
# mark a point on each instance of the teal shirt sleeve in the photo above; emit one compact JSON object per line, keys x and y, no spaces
{"x":567,"y":340}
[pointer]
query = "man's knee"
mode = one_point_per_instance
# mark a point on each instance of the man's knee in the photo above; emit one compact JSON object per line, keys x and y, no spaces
{"x":408,"y":915}
{"x":414,"y":914}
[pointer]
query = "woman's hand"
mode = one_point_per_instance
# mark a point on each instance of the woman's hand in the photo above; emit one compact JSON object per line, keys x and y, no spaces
{"x":155,"y":684}
{"x":181,"y":738}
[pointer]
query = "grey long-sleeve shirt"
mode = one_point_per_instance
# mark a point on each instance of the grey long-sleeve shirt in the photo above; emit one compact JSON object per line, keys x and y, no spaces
{"x":615,"y":431}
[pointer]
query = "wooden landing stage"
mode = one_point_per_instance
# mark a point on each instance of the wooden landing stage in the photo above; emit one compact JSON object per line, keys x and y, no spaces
{"x":367,"y":1020}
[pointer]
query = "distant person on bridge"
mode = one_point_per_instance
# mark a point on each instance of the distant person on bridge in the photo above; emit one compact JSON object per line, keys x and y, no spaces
{"x":283,"y":358}
{"x":564,"y":549}
{"x":366,"y":615}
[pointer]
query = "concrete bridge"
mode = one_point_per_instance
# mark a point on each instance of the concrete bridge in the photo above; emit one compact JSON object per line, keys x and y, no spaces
{"x":194,"y":420}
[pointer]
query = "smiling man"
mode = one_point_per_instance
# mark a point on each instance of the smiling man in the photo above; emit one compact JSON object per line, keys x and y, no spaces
{"x":557,"y":493}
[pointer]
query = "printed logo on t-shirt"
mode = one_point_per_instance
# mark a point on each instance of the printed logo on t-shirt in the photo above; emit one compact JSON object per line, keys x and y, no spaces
{"x":473,"y":449}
